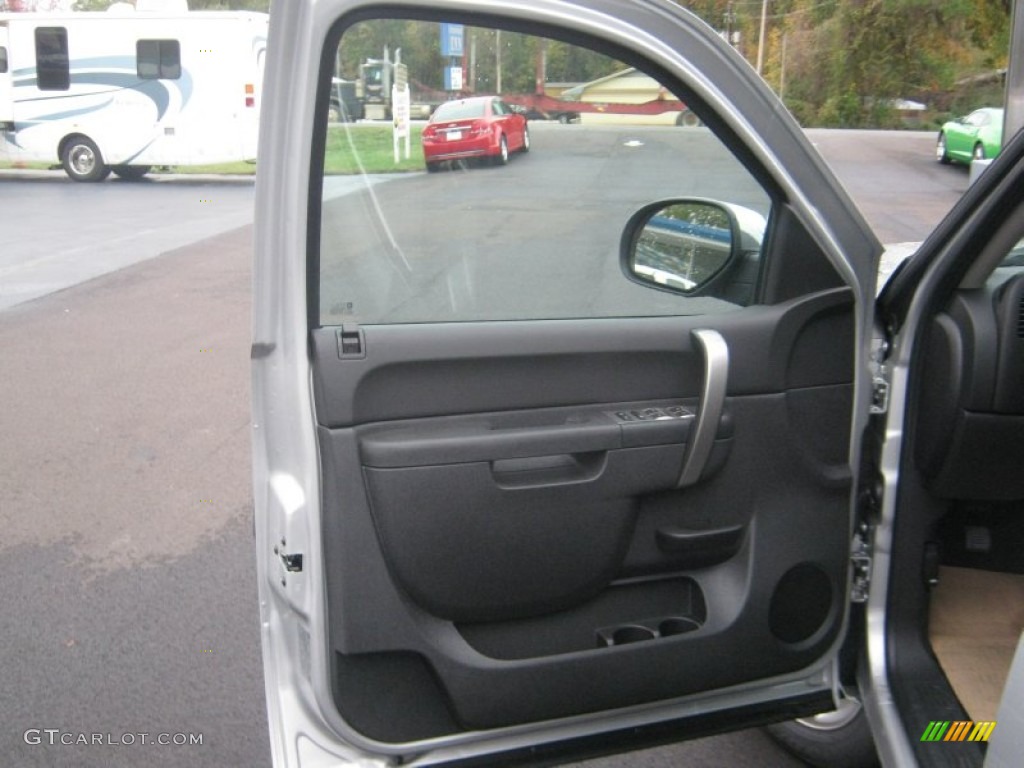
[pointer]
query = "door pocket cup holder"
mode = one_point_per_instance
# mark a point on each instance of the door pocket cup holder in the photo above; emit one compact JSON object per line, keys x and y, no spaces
{"x":648,"y":629}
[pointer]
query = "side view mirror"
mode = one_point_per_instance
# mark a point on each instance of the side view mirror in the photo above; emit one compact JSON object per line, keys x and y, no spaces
{"x":682,"y":245}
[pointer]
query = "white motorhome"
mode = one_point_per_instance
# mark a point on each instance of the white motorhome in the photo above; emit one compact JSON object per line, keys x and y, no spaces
{"x":126,"y":90}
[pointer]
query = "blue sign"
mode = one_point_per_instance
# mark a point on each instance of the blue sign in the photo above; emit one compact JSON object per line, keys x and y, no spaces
{"x":452,"y":37}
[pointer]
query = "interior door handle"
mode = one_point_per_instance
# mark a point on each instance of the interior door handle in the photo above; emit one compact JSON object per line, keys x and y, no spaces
{"x":709,"y":411}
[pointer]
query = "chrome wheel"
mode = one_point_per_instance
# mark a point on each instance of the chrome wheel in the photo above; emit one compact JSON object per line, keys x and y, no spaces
{"x":82,"y":160}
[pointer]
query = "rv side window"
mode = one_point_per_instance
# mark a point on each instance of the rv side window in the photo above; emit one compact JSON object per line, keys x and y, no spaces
{"x":158,"y":59}
{"x":53,"y":71}
{"x":3,"y":60}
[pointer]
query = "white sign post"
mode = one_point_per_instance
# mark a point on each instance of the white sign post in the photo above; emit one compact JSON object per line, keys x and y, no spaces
{"x":401,"y":110}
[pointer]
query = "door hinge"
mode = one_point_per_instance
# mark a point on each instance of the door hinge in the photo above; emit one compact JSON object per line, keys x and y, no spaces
{"x":860,"y":564}
{"x":879,"y":395}
{"x":879,"y":376}
{"x":291,"y":562}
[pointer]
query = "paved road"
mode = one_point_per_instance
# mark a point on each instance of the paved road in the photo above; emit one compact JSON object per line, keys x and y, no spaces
{"x":538,"y":238}
{"x":126,"y":560}
{"x":893,"y":178}
{"x":52,"y":226}
{"x":124,"y":490}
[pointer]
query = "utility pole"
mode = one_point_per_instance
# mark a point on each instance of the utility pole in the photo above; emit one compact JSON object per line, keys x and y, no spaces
{"x":760,"y":39}
{"x":497,"y":60}
{"x":730,"y":21}
{"x":782,"y":75}
{"x":1013,"y":116}
{"x":541,"y":76}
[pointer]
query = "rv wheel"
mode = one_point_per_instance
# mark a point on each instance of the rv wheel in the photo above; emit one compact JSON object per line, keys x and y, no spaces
{"x":131,"y":172}
{"x":82,"y":160}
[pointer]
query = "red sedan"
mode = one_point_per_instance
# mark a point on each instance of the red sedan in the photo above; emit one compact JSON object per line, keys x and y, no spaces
{"x":479,"y":127}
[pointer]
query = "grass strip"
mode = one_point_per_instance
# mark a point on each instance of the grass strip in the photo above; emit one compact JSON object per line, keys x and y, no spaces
{"x":350,"y":149}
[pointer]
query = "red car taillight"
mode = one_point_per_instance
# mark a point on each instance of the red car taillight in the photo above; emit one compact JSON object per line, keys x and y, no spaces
{"x":480,"y":128}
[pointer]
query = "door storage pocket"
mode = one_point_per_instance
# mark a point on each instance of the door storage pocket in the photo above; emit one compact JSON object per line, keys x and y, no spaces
{"x":621,"y":615}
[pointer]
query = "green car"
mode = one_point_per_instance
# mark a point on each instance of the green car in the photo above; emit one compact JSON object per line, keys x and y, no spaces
{"x":977,"y":136}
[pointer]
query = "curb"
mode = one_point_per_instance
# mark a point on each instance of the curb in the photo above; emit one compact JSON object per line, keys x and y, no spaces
{"x":55,"y":175}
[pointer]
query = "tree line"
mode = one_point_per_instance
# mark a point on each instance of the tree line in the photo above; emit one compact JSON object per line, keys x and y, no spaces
{"x":835,"y":63}
{"x":845,"y":63}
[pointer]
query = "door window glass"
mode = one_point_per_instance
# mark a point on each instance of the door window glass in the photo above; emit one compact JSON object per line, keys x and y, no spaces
{"x":512,"y":213}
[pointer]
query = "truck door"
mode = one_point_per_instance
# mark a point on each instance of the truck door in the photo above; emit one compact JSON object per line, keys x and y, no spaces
{"x":561,"y":451}
{"x":6,"y":79}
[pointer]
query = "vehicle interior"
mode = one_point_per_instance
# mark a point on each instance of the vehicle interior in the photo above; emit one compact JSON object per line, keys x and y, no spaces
{"x":957,"y":594}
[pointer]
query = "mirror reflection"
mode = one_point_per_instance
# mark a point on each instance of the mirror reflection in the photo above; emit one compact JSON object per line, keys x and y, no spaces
{"x":683,"y":246}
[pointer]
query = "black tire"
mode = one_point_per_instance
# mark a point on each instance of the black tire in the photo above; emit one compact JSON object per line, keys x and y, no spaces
{"x":941,"y":153}
{"x":526,"y":139}
{"x":334,"y":113}
{"x":564,"y":118}
{"x":433,"y":167}
{"x":979,"y":152}
{"x":131,"y":172}
{"x":839,"y":739}
{"x":82,"y":160}
{"x":502,"y":157}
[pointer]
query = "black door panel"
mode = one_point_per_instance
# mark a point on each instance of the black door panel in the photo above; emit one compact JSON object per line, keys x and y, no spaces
{"x":467,"y":549}
{"x":507,"y":524}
